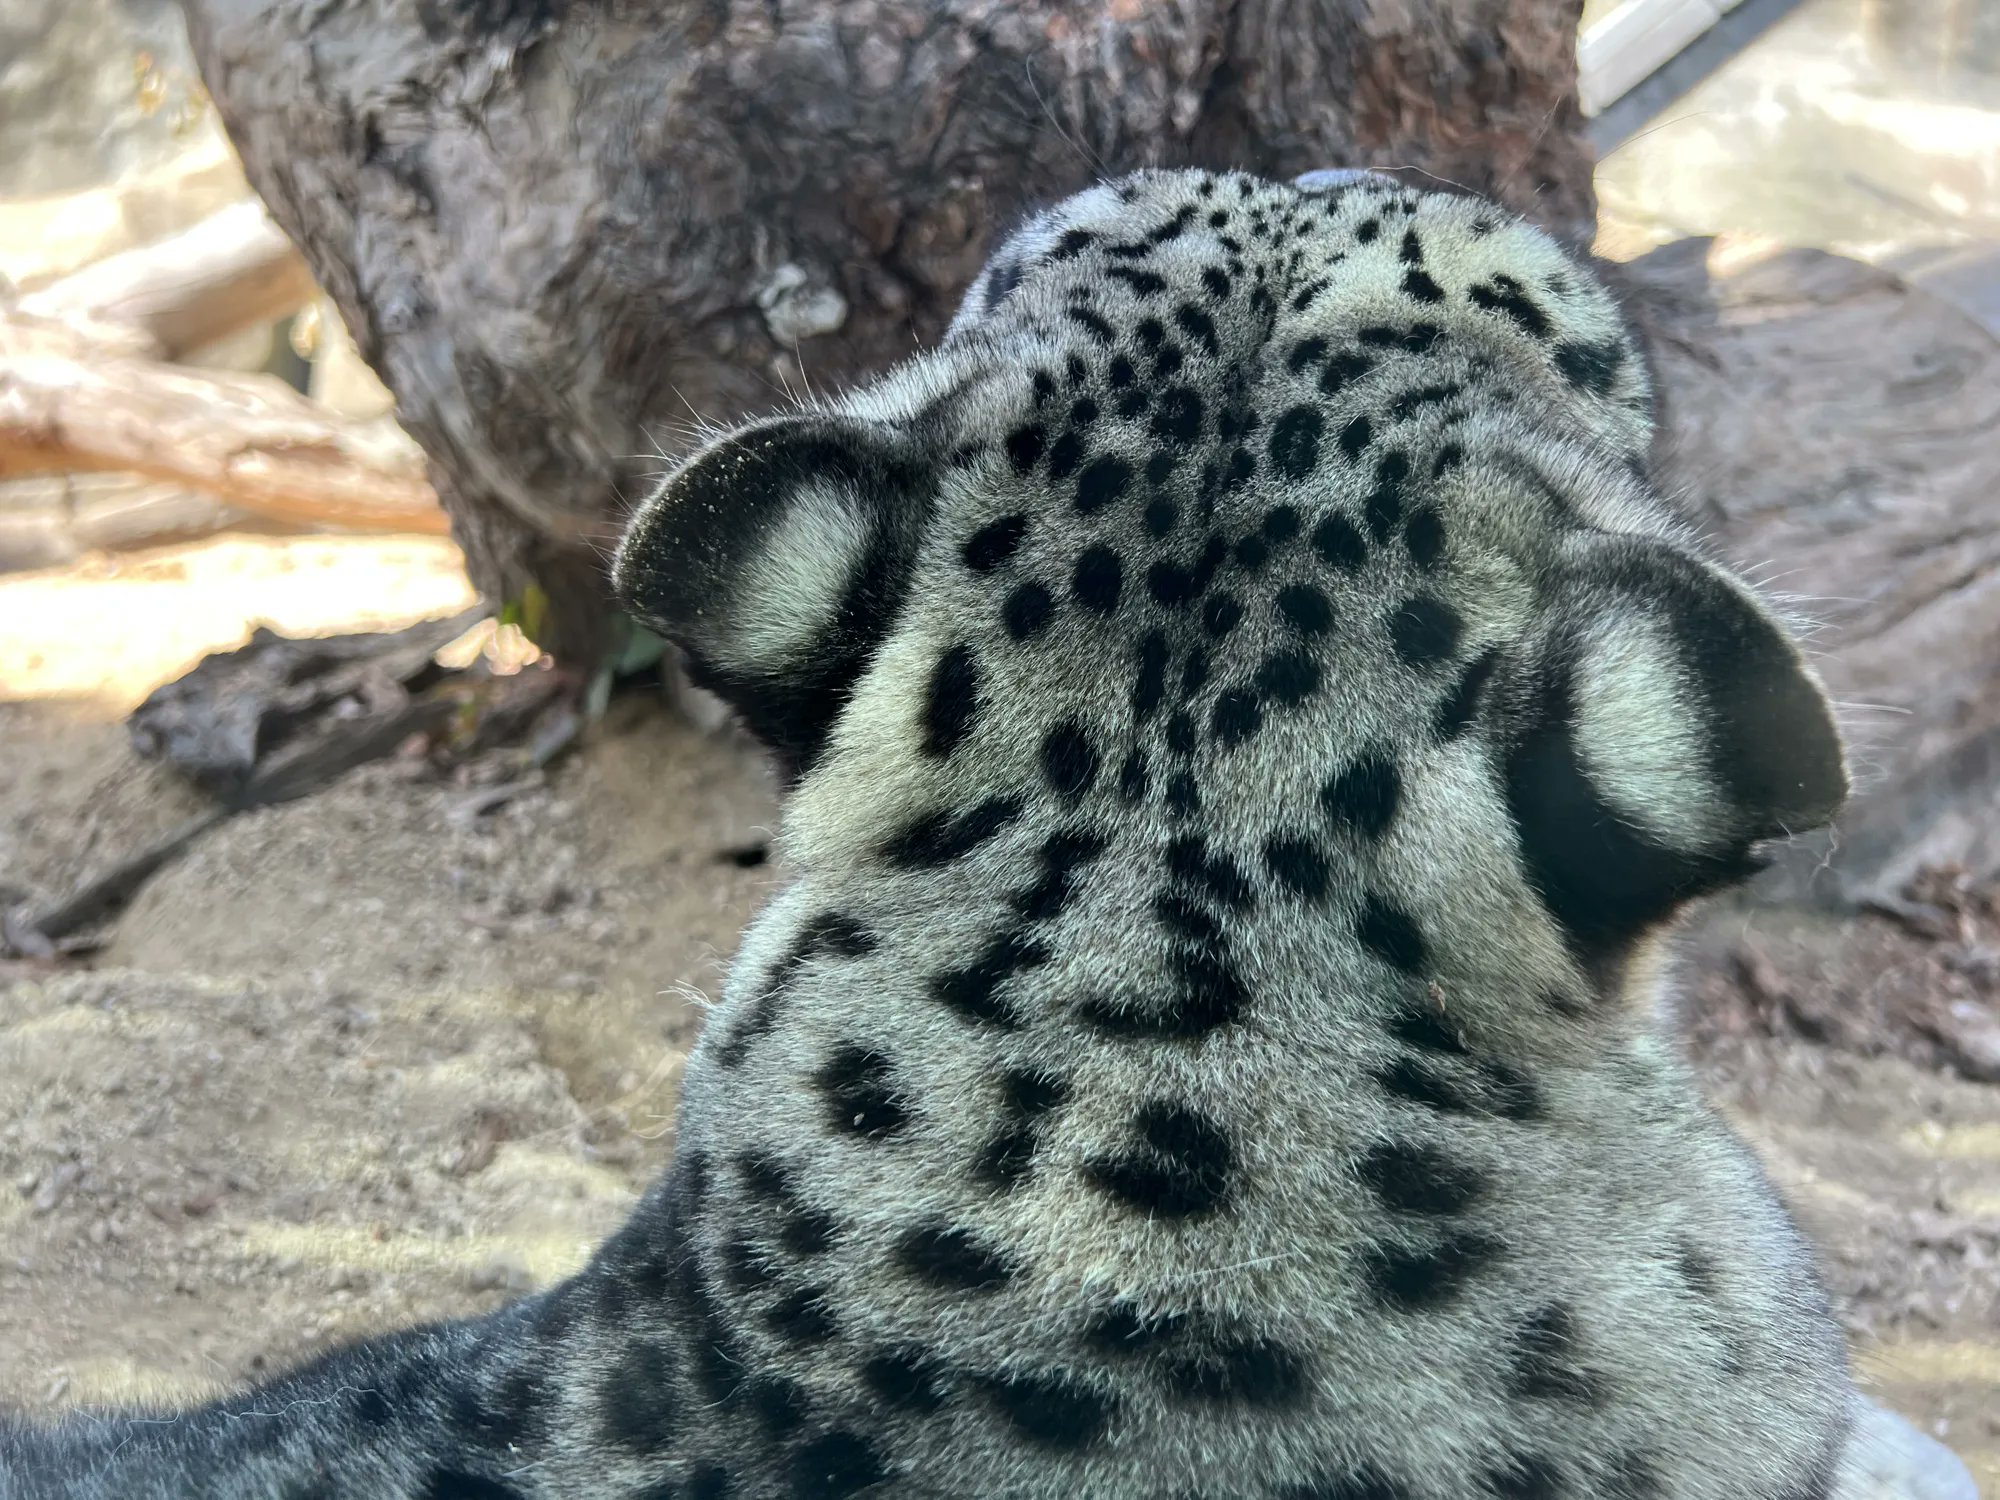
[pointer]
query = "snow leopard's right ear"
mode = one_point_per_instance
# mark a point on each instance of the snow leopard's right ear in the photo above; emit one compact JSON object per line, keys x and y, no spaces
{"x":776,"y":558}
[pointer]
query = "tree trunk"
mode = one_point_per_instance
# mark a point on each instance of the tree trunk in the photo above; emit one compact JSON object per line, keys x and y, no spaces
{"x":565,"y":235}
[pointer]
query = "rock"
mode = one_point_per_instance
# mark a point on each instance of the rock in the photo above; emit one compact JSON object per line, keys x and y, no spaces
{"x":1889,"y":1459}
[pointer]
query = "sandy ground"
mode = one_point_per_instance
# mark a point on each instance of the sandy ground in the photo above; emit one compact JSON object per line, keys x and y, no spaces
{"x":380,"y":1055}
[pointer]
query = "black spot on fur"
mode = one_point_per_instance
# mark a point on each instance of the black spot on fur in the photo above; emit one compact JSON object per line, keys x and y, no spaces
{"x":1634,"y":1476}
{"x":1062,"y":855}
{"x":1363,"y":798}
{"x":1121,"y":1330}
{"x":1305,"y":353}
{"x":1183,"y":796}
{"x":1219,"y":614}
{"x":457,"y":1484}
{"x":1503,"y":294}
{"x":1409,"y":1079}
{"x":860,"y":1095}
{"x":1339,"y":544}
{"x":1385,"y":502}
{"x":1182,"y":1171}
{"x":1097,"y":578}
{"x":1425,"y":631}
{"x":1449,"y":457}
{"x":1050,"y":1410}
{"x":835,"y":1464}
{"x":1415,"y":400}
{"x":746,"y":1267}
{"x":1180,"y":732}
{"x":973,"y":991}
{"x":1545,"y":1359}
{"x":1033,"y":1092}
{"x":1342,"y":370}
{"x":1389,"y":932}
{"x":1065,"y":455}
{"x":952,"y":1259}
{"x":1420,"y":286}
{"x":1355,"y":436}
{"x":1186,"y":918}
{"x":1177,"y":420}
{"x":1294,"y":443}
{"x":1281,"y":523}
{"x":1074,"y":242}
{"x":1418,"y":1179}
{"x":995,"y":542}
{"x":1299,"y":865}
{"x":951,"y":701}
{"x":1142,"y":283}
{"x":1590,"y":367}
{"x":1696,"y":1267}
{"x":637,"y":1409}
{"x":1305,"y":609}
{"x":802,"y":1317}
{"x":1287,"y":678}
{"x":1103,"y":481}
{"x":802,"y":1229}
{"x":1027,"y":610}
{"x":781,"y":1405}
{"x":1215,"y":874}
{"x":1416,"y":1280}
{"x":1259,"y":1373}
{"x":1423,"y":534}
{"x":1004,"y":1160}
{"x":1132,"y":778}
{"x":1150,"y":690}
{"x":937,"y":838}
{"x":1236,"y":716}
{"x":1025,"y":446}
{"x":906,"y":1379}
{"x":1524,"y":1476}
{"x":1092,"y":325}
{"x":1364,"y":1483}
{"x":1198,"y":326}
{"x":1069,"y":760}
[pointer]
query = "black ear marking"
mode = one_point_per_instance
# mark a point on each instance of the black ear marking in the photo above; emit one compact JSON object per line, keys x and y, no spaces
{"x":1674,"y":726}
{"x":776,"y":560}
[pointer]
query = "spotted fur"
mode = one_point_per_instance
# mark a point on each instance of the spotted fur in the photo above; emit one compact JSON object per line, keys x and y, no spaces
{"x":1250,"y":716}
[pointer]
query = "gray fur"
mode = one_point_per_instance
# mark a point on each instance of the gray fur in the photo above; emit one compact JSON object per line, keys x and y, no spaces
{"x":1431,"y":1209}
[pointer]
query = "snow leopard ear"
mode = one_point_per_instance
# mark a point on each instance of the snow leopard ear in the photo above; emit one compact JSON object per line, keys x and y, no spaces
{"x":1673,"y":725}
{"x":776,"y":559}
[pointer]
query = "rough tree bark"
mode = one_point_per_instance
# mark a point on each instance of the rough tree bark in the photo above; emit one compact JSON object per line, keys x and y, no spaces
{"x":563,"y":233}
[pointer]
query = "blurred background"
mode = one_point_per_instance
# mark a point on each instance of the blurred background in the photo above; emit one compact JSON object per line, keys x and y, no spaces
{"x":281,"y":1061}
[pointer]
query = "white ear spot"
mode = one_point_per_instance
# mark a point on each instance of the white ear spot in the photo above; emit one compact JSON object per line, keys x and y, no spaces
{"x":785,"y":598}
{"x":1642,"y":734}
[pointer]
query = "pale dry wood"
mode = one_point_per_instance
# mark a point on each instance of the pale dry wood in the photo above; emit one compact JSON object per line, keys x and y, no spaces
{"x":68,"y":406}
{"x":232,"y":271}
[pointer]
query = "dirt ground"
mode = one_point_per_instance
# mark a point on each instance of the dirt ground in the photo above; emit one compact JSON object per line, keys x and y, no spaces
{"x":391,"y":1053}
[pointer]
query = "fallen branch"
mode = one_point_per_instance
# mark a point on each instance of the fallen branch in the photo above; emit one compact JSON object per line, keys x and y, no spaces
{"x":232,"y":271}
{"x":251,"y":440}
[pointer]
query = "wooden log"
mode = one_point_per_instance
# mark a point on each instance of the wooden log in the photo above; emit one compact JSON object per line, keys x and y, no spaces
{"x":232,"y":271}
{"x":248,"y":439}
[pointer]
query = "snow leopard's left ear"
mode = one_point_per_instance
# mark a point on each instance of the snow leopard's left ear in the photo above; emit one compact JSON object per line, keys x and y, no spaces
{"x":1669,"y":726}
{"x":776,"y":558}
